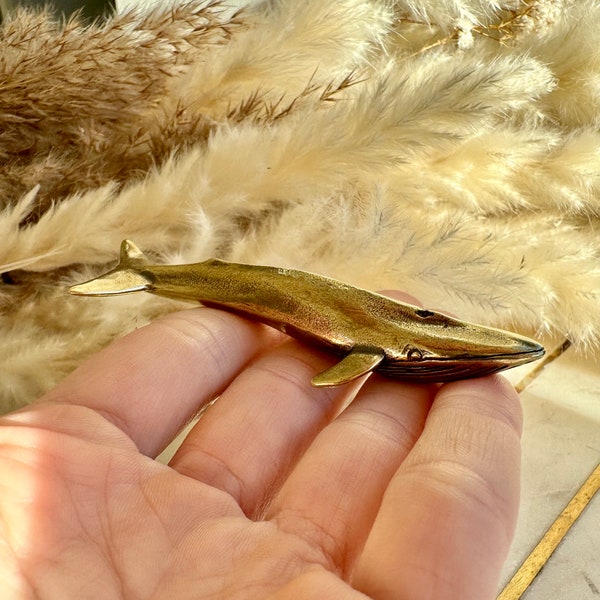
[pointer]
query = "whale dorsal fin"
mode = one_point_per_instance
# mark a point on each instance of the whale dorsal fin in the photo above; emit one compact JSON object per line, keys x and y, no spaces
{"x":131,"y":256}
{"x":359,"y":362}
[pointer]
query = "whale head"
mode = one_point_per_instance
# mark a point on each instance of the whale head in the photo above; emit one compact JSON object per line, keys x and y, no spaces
{"x":444,"y":348}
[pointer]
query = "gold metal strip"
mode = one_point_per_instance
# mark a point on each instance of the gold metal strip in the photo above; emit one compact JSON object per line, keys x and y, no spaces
{"x":528,"y":571}
{"x":541,"y":364}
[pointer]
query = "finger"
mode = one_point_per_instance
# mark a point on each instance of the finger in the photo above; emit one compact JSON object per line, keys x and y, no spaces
{"x":402,"y":297}
{"x":249,"y":440}
{"x":448,"y":516}
{"x":333,"y":495}
{"x":317,"y":584}
{"x":246,"y":443}
{"x":150,"y":382}
{"x":408,"y":299}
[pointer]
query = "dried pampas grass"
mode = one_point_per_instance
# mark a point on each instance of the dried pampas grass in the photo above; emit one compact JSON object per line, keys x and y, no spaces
{"x":83,"y":106}
{"x":446,"y":148}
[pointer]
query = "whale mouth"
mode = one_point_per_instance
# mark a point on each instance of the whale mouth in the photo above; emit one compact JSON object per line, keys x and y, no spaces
{"x":443,"y":369}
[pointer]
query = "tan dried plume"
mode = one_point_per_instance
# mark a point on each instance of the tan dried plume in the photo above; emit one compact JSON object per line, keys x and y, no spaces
{"x":81,"y":106}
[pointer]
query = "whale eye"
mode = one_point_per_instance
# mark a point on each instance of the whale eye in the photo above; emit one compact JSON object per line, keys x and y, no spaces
{"x":424,"y":313}
{"x":414,"y":354}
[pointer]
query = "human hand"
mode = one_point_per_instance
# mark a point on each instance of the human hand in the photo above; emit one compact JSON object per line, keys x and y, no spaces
{"x":410,"y":492}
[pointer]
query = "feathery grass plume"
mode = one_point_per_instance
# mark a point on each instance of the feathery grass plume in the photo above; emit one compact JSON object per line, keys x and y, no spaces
{"x":482,"y":173}
{"x":288,"y":47}
{"x":458,"y":21}
{"x":571,"y":50}
{"x":448,"y":14}
{"x":133,"y":56}
{"x":566,"y":181}
{"x":421,"y":108}
{"x":412,"y":111}
{"x":86,"y":228}
{"x":505,"y":170}
{"x":536,"y":272}
{"x":47,"y":333}
{"x":417,"y":113}
{"x":81,"y":105}
{"x":569,"y":177}
{"x":30,"y":349}
{"x":460,"y":174}
{"x":485,"y":30}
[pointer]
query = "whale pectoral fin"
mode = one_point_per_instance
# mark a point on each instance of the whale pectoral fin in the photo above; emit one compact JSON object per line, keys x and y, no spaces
{"x":359,"y":362}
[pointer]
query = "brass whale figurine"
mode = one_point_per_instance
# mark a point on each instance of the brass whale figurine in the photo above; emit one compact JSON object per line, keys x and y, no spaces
{"x":367,"y":331}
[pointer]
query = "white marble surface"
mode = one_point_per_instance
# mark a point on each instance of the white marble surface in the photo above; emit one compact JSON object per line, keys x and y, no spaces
{"x":561,"y":447}
{"x":573,"y":572}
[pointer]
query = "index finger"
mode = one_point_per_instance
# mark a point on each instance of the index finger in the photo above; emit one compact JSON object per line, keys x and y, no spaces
{"x":152,"y":381}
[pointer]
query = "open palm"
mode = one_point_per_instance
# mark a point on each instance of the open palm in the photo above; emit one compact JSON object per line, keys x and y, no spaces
{"x":279,"y":491}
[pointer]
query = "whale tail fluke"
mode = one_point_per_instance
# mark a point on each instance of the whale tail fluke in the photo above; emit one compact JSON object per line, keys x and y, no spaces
{"x":128,"y":276}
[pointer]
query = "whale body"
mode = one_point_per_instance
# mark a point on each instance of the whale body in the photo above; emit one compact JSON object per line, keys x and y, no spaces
{"x":365,"y":330}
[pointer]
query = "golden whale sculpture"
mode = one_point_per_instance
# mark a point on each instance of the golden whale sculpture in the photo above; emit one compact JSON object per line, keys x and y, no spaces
{"x":368,"y":331}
